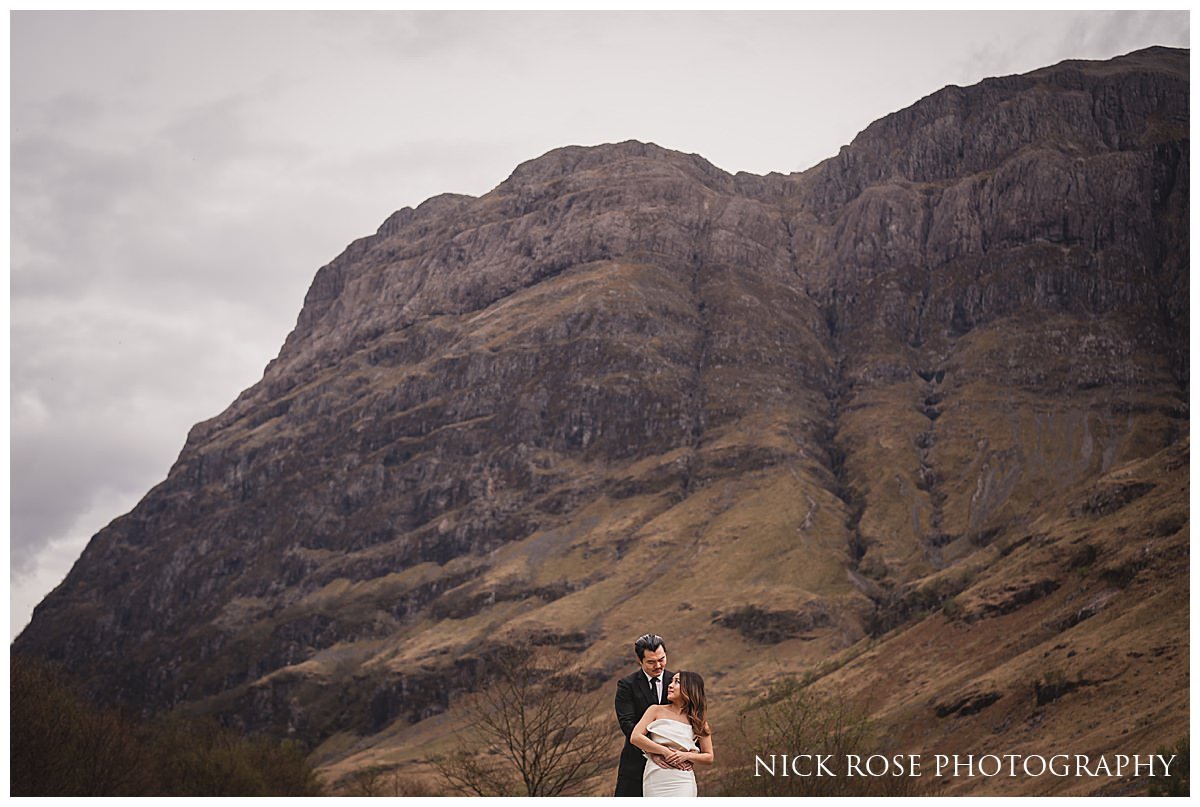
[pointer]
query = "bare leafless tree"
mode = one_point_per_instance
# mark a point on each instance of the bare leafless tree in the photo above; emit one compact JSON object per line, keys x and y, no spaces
{"x":533,"y":731}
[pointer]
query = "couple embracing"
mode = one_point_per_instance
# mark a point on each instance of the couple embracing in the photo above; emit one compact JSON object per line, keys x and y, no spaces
{"x":664,"y":718}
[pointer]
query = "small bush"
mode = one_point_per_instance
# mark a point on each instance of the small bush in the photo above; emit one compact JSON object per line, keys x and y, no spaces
{"x":379,"y":780}
{"x":1177,"y":784}
{"x":791,"y":718}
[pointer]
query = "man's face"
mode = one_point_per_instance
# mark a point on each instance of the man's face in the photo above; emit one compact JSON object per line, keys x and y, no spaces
{"x":654,"y":661}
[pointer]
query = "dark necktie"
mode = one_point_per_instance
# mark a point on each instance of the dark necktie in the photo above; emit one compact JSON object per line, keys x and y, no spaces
{"x":654,"y":689}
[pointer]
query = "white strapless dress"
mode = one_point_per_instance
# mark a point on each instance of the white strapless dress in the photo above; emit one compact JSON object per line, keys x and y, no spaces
{"x":658,"y":781}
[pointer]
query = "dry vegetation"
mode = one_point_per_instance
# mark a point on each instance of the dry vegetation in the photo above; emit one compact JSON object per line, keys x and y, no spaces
{"x":63,"y":745}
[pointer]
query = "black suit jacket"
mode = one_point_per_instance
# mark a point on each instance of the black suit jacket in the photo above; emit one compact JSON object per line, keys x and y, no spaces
{"x":634,"y":697}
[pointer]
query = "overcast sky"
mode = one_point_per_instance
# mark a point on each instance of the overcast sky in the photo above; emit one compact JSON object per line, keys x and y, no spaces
{"x":178,"y":178}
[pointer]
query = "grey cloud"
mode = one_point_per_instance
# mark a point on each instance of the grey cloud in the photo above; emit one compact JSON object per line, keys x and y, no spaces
{"x":407,"y":36}
{"x":54,"y":478}
{"x":102,"y":396}
{"x":69,"y":110}
{"x":60,"y":189}
{"x":1117,"y":32}
{"x":143,"y":214}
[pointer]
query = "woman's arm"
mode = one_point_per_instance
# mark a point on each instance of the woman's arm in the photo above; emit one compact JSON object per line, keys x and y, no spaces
{"x":702,"y":757}
{"x":639,"y":738}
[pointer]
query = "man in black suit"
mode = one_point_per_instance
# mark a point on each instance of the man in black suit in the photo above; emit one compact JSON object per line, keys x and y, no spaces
{"x":635,"y":694}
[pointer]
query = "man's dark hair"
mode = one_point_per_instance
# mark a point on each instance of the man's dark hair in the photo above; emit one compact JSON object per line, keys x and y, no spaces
{"x":651,"y":642}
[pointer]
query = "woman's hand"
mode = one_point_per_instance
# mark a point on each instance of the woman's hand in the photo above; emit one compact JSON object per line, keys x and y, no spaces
{"x":677,"y":758}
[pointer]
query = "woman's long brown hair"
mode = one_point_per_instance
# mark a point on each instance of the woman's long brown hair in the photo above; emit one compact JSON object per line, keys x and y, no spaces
{"x":693,"y":703}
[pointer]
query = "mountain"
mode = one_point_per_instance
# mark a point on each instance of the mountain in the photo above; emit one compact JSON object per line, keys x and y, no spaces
{"x":916,"y":416}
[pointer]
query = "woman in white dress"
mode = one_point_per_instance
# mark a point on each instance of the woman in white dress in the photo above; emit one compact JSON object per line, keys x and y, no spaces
{"x":677,"y":730}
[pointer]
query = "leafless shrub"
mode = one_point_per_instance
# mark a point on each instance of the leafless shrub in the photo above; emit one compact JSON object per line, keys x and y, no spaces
{"x":531,"y":732}
{"x":792,"y":719}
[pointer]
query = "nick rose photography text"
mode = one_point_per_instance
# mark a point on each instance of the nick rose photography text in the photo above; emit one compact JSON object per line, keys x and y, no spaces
{"x":963,"y":765}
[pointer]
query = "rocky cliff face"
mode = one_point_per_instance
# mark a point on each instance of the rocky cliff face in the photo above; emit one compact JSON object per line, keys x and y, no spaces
{"x":773,"y":418}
